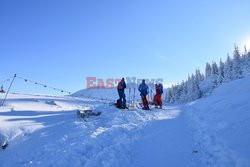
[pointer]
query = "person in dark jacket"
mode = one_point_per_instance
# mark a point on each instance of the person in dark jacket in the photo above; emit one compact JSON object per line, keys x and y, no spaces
{"x":158,"y":94}
{"x":143,"y":89}
{"x":121,"y":103}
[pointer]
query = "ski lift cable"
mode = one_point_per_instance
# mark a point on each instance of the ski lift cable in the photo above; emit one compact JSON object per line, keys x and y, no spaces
{"x":41,"y":84}
{"x":6,"y":80}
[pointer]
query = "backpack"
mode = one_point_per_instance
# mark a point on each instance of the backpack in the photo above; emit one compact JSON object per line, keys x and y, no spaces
{"x":143,"y":88}
{"x":160,"y":89}
{"x":118,"y":103}
{"x":121,"y":85}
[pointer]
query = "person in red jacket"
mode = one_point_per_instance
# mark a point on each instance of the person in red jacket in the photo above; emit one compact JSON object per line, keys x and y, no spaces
{"x":157,"y":97}
{"x":121,"y":102}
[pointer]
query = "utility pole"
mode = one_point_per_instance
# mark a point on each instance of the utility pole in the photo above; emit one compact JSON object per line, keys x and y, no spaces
{"x":8,"y":90}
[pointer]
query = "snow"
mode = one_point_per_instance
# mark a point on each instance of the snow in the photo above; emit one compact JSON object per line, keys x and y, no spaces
{"x":165,"y":143}
{"x":45,"y":131}
{"x":222,"y":124}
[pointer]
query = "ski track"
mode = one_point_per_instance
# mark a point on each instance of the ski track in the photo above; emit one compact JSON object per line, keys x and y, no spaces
{"x":220,"y":124}
{"x":212,"y":151}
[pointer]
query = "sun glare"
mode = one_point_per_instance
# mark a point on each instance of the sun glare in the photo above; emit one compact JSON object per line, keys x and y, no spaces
{"x":247,"y":43}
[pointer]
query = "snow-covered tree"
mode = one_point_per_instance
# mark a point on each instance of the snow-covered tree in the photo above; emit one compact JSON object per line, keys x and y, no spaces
{"x":198,"y":76}
{"x":247,"y":63}
{"x":199,"y":84}
{"x":215,"y":69}
{"x":193,"y":89}
{"x":174,"y":93}
{"x":228,"y":69}
{"x":221,"y":72}
{"x":208,"y":71}
{"x":184,"y":92}
{"x":169,"y":95}
{"x":214,"y":74}
{"x":237,"y":65}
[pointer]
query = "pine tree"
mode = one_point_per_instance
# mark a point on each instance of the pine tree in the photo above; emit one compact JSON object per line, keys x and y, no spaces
{"x":237,"y":65}
{"x":193,"y":89}
{"x":245,"y":60}
{"x":215,"y":69}
{"x":170,"y":96}
{"x":231,"y":69}
{"x":208,"y":71}
{"x":248,"y":63}
{"x":198,"y":76}
{"x":214,"y":74}
{"x":228,"y":69}
{"x":184,"y":92}
{"x":245,"y":50}
{"x":221,"y":73}
{"x":180,"y":91}
{"x":173,"y":93}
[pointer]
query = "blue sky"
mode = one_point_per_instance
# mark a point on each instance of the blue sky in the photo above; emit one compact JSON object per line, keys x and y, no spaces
{"x":60,"y":43}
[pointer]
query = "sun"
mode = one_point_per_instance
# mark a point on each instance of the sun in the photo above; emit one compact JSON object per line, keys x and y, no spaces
{"x":247,"y":43}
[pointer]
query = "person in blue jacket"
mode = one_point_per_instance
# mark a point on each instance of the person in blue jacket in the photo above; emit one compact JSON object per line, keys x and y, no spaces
{"x":121,"y":103}
{"x":143,"y":89}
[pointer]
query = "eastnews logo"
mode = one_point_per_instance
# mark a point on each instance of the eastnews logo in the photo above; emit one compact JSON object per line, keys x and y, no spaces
{"x":110,"y":83}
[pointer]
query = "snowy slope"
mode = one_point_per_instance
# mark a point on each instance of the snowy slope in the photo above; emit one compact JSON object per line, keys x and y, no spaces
{"x":221,"y":123}
{"x":48,"y":133}
{"x":45,"y":131}
{"x":105,"y":94}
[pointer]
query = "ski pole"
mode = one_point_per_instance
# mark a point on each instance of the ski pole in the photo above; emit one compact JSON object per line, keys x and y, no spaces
{"x":134,"y":97}
{"x":129,"y":96}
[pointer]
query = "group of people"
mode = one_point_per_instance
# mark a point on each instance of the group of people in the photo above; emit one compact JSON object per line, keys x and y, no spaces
{"x":144,"y":90}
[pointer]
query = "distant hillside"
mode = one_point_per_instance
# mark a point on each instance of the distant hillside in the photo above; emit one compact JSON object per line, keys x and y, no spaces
{"x":111,"y":94}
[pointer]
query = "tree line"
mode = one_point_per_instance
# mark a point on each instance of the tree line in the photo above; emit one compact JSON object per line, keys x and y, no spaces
{"x":198,"y":84}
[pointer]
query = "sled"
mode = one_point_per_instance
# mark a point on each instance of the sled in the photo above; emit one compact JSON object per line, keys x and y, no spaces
{"x":87,"y":113}
{"x":4,"y":145}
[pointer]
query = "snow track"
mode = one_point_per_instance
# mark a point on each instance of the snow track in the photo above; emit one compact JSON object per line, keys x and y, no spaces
{"x":221,"y":124}
{"x":212,"y":151}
